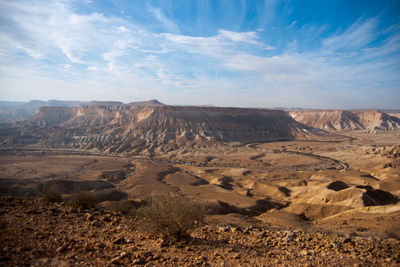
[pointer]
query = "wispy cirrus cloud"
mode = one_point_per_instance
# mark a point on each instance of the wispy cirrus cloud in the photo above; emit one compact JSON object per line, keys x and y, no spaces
{"x":167,"y":23}
{"x":358,"y":35}
{"x":79,"y":53}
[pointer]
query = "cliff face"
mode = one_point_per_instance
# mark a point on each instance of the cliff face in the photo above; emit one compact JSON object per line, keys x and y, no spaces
{"x":18,"y":111}
{"x":375,"y":119}
{"x":230,"y":124}
{"x":120,"y":128}
{"x":49,"y":116}
{"x":336,"y":120}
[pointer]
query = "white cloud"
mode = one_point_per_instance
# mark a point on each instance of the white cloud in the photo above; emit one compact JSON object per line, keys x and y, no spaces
{"x":245,"y":37}
{"x":122,"y":29}
{"x":224,"y":43}
{"x":92,"y":68}
{"x":357,"y":36}
{"x":30,"y":52}
{"x":99,"y":56}
{"x":167,"y":23}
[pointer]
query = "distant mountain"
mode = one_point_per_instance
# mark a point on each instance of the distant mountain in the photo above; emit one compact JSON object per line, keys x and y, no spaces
{"x":149,"y":103}
{"x":337,"y":120}
{"x":17,"y":111}
{"x":11,"y":111}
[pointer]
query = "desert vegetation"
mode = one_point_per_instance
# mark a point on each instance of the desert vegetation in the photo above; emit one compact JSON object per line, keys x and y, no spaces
{"x":170,"y":215}
{"x":83,"y":200}
{"x":51,"y":196}
{"x":334,"y":193}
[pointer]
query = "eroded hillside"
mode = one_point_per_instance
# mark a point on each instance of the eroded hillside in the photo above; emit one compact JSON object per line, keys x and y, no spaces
{"x":146,"y":129}
{"x":337,"y":120}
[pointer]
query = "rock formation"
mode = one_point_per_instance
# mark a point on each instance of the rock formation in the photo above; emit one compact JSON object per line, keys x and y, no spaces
{"x":137,"y":126}
{"x":336,"y":120}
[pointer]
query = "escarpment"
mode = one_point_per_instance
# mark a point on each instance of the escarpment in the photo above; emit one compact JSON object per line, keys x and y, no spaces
{"x":130,"y":127}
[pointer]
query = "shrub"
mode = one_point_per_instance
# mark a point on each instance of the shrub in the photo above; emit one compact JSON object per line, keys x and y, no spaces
{"x":171,"y":216}
{"x":393,"y":232}
{"x":51,"y":196}
{"x":125,"y":207}
{"x":83,"y":200}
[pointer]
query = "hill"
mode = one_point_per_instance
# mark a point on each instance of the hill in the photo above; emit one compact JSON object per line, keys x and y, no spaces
{"x":142,"y":127}
{"x":338,"y":120}
{"x":11,"y":111}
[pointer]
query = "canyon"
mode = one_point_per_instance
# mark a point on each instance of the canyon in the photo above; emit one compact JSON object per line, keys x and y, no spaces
{"x":330,"y":171}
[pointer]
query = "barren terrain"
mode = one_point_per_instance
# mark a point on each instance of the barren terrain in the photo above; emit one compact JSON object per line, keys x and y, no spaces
{"x":36,"y":233}
{"x":280,"y":176}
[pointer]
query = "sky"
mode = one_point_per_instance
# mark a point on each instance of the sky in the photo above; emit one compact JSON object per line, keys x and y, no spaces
{"x":297,"y":53}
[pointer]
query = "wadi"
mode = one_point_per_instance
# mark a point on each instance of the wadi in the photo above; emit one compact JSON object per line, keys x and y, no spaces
{"x":274,"y":186}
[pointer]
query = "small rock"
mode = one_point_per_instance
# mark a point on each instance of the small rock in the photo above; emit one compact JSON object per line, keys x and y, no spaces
{"x":123,"y":254}
{"x":347,"y":240}
{"x":216,"y":254}
{"x":88,"y":217}
{"x":54,"y":211}
{"x":223,"y":228}
{"x":61,"y":249}
{"x":115,"y":261}
{"x":5,"y":258}
{"x":100,"y":245}
{"x":32,"y":211}
{"x":107,"y":218}
{"x":304,"y":252}
{"x":139,"y":261}
{"x":236,"y":229}
{"x":119,"y":241}
{"x":290,"y":236}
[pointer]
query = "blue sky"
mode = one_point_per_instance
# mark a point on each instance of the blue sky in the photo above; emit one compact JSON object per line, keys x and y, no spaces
{"x":304,"y":53}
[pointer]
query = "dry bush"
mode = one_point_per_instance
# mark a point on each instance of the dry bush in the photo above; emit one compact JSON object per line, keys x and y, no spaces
{"x":83,"y":200}
{"x":125,"y":207}
{"x":393,"y":232}
{"x":51,"y":196}
{"x":171,"y":216}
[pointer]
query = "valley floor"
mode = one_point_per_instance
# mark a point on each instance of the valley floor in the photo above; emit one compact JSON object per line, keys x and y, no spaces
{"x":321,"y":202}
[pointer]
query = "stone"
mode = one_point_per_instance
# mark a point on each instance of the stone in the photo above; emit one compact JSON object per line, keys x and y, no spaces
{"x":61,"y":249}
{"x":119,"y":241}
{"x":5,"y":258}
{"x":223,"y":228}
{"x":139,"y":261}
{"x":290,"y":236}
{"x":123,"y":254}
{"x":304,"y":252}
{"x":88,"y":217}
{"x":115,"y":261}
{"x":107,"y":218}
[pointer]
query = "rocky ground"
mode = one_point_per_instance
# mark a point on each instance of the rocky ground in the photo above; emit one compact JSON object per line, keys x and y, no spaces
{"x":37,"y":233}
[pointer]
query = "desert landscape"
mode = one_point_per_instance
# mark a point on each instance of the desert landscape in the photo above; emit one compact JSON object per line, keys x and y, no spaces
{"x":268,"y":180}
{"x":199,"y":133}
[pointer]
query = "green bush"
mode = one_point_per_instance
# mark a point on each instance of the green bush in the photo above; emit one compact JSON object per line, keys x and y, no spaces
{"x":51,"y":196}
{"x":171,"y":216}
{"x":83,"y":200}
